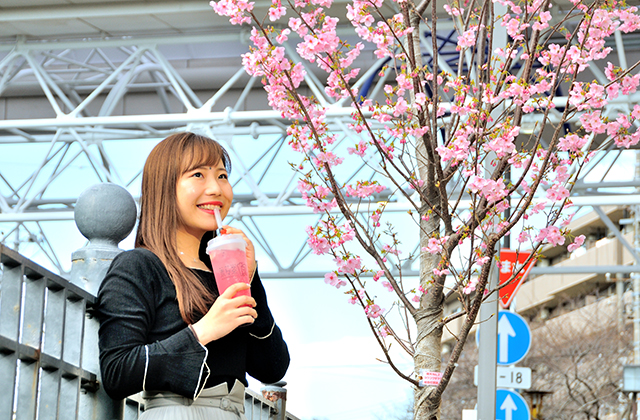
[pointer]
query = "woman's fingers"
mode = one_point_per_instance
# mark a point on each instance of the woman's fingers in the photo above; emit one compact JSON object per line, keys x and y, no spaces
{"x":235,"y":288}
{"x":227,"y":313}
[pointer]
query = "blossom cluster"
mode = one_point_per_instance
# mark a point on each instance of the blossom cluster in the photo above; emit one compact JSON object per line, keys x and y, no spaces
{"x":458,"y":130}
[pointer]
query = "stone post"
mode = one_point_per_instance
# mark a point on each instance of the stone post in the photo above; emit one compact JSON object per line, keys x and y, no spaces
{"x":277,"y":394}
{"x":105,"y":214}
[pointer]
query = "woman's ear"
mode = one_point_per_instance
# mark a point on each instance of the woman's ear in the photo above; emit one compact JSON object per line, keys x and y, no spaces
{"x":202,"y":251}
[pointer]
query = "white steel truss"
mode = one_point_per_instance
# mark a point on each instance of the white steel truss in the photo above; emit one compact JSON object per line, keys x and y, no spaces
{"x":92,"y":108}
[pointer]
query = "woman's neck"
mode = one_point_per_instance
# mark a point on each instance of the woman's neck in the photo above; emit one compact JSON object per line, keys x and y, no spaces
{"x":188,"y":250}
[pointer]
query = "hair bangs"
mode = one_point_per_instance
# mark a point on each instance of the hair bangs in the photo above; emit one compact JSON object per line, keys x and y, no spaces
{"x":202,"y":151}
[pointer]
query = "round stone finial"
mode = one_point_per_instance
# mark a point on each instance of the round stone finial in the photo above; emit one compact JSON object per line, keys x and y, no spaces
{"x":105,"y":214}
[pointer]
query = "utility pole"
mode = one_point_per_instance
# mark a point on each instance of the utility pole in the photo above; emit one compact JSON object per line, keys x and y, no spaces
{"x":488,"y":325}
{"x":487,"y":352}
{"x":636,"y":292}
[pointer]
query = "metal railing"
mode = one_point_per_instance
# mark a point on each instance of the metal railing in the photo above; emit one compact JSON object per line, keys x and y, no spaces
{"x":49,"y":351}
{"x":259,"y":407}
{"x":48,"y":345}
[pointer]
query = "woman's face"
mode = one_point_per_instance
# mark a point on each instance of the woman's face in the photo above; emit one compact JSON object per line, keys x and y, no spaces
{"x":198,"y":192}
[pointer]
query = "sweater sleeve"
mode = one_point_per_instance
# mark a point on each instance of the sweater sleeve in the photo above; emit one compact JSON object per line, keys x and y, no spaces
{"x":267,"y":353}
{"x":129,"y":363}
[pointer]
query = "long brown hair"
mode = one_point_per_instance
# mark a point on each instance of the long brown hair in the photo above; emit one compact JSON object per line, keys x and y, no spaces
{"x":159,"y":215}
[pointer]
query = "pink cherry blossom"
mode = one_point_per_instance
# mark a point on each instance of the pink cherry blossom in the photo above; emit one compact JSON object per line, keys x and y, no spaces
{"x":542,"y":22}
{"x":235,"y":9}
{"x":524,"y":236}
{"x":391,"y":250}
{"x":452,"y":10}
{"x":387,"y":286}
{"x":503,"y":143}
{"x":276,"y":13}
{"x":364,"y":189}
{"x":444,"y":272}
{"x":373,"y":311}
{"x":413,"y":183}
{"x":384,"y":331}
{"x":482,"y":260}
{"x":319,"y":245}
{"x":327,"y":157}
{"x":592,"y":122}
{"x":572,"y":143}
{"x":333,"y":280}
{"x":490,"y":189}
{"x":557,"y":192}
{"x":552,"y":235}
{"x":404,"y":83}
{"x":354,"y":298}
{"x":468,"y":38}
{"x":349,"y":265}
{"x":434,"y":245}
{"x":577,"y":243}
{"x":470,"y":286}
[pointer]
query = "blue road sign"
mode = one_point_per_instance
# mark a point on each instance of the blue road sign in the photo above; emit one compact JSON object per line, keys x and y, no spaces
{"x":511,"y":406}
{"x":514,"y":338}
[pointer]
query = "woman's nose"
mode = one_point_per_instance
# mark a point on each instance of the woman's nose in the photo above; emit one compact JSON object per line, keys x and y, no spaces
{"x":213,"y":188}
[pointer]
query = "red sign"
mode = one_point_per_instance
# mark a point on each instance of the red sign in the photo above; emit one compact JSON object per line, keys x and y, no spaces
{"x":509,"y":264}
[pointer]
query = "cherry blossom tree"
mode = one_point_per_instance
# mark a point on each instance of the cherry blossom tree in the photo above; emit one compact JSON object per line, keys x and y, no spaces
{"x":448,"y":142}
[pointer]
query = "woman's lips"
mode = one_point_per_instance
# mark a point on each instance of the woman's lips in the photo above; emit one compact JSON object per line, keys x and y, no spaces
{"x":210,"y":206}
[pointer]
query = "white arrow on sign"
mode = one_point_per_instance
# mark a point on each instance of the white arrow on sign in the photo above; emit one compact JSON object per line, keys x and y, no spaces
{"x":509,"y":407}
{"x":505,"y":330}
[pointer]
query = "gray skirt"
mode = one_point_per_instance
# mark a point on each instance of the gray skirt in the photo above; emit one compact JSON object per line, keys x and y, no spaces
{"x":215,"y":403}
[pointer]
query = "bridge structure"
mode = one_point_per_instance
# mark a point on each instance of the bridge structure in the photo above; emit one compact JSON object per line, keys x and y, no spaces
{"x":88,"y":88}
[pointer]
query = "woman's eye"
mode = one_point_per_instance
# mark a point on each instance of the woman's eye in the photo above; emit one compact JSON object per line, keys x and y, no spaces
{"x":198,"y":175}
{"x":223,"y":176}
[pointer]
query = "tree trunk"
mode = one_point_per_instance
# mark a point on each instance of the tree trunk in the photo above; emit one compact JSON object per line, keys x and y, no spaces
{"x":427,"y":356}
{"x":428,"y":347}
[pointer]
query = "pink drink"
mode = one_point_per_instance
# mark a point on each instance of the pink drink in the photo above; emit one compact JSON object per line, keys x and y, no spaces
{"x":229,"y":262}
{"x":230,"y":267}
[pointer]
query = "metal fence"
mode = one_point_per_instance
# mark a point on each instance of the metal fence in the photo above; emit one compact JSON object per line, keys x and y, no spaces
{"x":49,"y":351}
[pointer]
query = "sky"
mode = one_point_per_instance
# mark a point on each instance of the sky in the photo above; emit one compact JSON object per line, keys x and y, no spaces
{"x":334,"y":373}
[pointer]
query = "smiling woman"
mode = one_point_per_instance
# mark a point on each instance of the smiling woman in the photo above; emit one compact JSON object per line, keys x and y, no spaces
{"x":164,"y":327}
{"x":162,"y":214}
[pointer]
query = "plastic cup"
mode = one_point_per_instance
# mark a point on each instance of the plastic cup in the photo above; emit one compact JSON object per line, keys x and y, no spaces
{"x":229,"y":261}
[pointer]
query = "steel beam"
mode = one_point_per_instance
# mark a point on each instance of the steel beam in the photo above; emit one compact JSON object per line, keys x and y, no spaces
{"x":585,"y":269}
{"x":157,"y":120}
{"x":239,"y":211}
{"x":537,"y":271}
{"x":101,"y":10}
{"x":613,"y":228}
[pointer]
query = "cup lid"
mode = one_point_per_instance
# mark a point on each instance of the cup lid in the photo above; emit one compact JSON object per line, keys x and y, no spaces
{"x":232,"y":238}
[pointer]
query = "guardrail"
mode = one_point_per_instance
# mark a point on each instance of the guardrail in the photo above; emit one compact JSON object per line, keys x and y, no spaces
{"x":48,"y":346}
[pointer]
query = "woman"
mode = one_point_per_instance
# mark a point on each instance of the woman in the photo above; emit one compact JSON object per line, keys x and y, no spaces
{"x":163,"y":328}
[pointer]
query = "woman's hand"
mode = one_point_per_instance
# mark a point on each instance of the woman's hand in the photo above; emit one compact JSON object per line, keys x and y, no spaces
{"x":251,"y":252}
{"x":226,"y":314}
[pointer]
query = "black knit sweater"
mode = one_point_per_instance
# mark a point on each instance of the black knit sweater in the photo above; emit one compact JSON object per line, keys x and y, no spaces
{"x":141,"y":331}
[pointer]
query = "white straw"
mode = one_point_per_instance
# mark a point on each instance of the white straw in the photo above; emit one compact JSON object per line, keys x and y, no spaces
{"x":216,"y":212}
